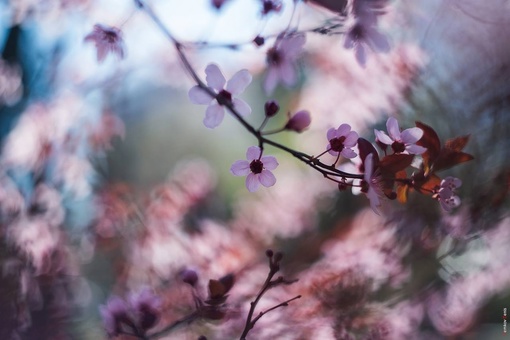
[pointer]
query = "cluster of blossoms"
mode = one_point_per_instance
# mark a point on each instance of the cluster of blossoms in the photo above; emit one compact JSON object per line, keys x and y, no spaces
{"x":135,"y":316}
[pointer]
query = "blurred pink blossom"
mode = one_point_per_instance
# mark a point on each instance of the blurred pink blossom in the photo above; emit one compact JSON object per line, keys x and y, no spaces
{"x":146,"y":308}
{"x":257,"y":168}
{"x":446,"y":194}
{"x":372,"y":187}
{"x":281,"y":60}
{"x":216,"y":81}
{"x":404,"y":141}
{"x":107,"y":40}
{"x":114,"y":314}
{"x":365,"y":34}
{"x":341,"y":141}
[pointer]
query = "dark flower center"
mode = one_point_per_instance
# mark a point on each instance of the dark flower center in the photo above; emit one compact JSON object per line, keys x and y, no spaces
{"x":256,"y":166}
{"x":274,"y":57}
{"x":358,"y":32}
{"x":398,"y":147}
{"x":224,"y":96}
{"x":111,"y":36}
{"x":337,"y":144}
{"x":364,"y":186}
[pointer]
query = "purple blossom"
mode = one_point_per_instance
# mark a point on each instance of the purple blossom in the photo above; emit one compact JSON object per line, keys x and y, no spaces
{"x":371,"y":184}
{"x":107,"y":40}
{"x":400,"y":142}
{"x":446,"y":193}
{"x":365,"y":34}
{"x":269,"y":6}
{"x":281,"y":60}
{"x":146,"y":308}
{"x":257,"y":168}
{"x":114,"y":314}
{"x":341,"y":141}
{"x":223,"y":94}
{"x":299,"y":122}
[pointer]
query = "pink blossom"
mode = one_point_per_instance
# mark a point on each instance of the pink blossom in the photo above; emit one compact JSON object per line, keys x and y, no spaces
{"x":216,"y":81}
{"x":371,"y":184}
{"x":364,"y":34}
{"x":341,"y":141}
{"x":107,"y":40}
{"x":299,"y":122}
{"x":368,"y":9}
{"x":446,"y":193}
{"x":281,"y":59}
{"x":256,"y":168}
{"x":400,"y":142}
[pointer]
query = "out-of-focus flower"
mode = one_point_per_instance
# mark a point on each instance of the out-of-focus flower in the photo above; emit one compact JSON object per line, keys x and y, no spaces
{"x":218,"y":3}
{"x":300,"y":121}
{"x":371,"y":184}
{"x":404,"y":141}
{"x":446,"y":193}
{"x":114,"y":314}
{"x":107,"y":40}
{"x":341,"y":141}
{"x":368,"y":9}
{"x":257,"y":168}
{"x":224,"y":94}
{"x":281,"y":59}
{"x":365,"y":34}
{"x":269,"y":6}
{"x":11,"y":87}
{"x":146,"y":308}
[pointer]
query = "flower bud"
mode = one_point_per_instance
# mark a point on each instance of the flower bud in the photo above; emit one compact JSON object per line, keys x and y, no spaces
{"x":189,"y":276}
{"x":259,"y":41}
{"x":299,"y":122}
{"x":271,"y":108}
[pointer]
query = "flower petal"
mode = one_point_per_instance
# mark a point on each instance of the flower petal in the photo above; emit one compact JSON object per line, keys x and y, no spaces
{"x":415,"y":149}
{"x":343,"y":130}
{"x":331,"y":134}
{"x":292,"y":46}
{"x":378,"y":41}
{"x":351,"y":139}
{"x":393,"y":128}
{"x":270,"y":162}
{"x":267,"y":178}
{"x":214,"y":77}
{"x":287,"y":73}
{"x":361,"y":55}
{"x":272,"y":79}
{"x":252,"y":182}
{"x":198,"y":96}
{"x":382,"y":137}
{"x":412,"y":135}
{"x":252,"y":153}
{"x":238,"y":83}
{"x":241,"y":106}
{"x":240,"y":168}
{"x":375,"y":202}
{"x":214,"y":115}
{"x":368,"y":167}
{"x":348,"y":153}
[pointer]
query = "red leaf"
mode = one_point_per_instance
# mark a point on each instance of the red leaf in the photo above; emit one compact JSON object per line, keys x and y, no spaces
{"x":365,"y":148}
{"x":431,"y":141}
{"x":449,"y":158}
{"x":457,"y":143}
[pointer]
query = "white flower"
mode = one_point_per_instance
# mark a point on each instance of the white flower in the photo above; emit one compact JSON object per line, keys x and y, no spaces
{"x":216,"y":81}
{"x":371,"y":184}
{"x":446,"y":193}
{"x":257,"y":168}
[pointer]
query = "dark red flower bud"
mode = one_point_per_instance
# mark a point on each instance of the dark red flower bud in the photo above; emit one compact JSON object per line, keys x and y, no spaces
{"x":271,"y":108}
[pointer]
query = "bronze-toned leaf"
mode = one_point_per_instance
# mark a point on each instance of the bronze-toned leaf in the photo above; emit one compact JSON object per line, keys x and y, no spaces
{"x":449,"y":158}
{"x":457,"y":143}
{"x":365,"y":148}
{"x":431,"y":141}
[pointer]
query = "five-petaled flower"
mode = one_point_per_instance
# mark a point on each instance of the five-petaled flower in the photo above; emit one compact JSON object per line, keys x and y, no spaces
{"x":222,"y":94}
{"x":341,"y":141}
{"x":446,"y":193}
{"x":107,"y":40}
{"x":371,"y":184}
{"x":257,"y":168}
{"x":401,"y":142}
{"x":281,"y":59}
